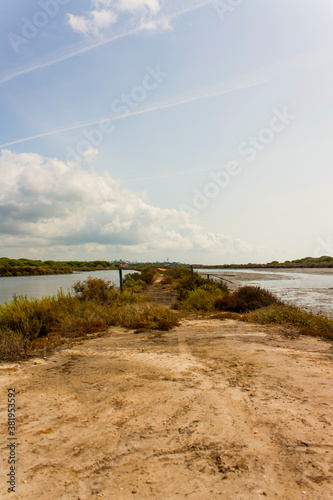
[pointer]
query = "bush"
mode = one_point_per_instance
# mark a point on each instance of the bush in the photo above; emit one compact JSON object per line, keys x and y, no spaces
{"x":146,"y":276}
{"x":178,"y":272}
{"x":136,"y":285}
{"x":168,"y":280}
{"x":95,"y":289}
{"x":190,"y":282}
{"x":247,"y":298}
{"x":202,"y":299}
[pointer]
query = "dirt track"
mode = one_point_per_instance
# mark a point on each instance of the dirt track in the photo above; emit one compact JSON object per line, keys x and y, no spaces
{"x":209,"y":410}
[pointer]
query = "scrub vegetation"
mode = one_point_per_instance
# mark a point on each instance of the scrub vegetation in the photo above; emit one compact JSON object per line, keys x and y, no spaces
{"x":248,"y":303}
{"x":28,"y":326}
{"x":31,"y":326}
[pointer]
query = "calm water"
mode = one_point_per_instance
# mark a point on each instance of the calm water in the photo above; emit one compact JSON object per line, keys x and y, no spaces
{"x":42,"y":286}
{"x":309,"y":290}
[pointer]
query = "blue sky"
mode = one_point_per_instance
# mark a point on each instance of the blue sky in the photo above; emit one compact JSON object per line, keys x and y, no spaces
{"x":145,"y":129}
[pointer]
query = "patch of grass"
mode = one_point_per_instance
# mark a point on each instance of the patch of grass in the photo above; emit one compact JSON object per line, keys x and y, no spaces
{"x":308,"y":324}
{"x":148,"y":317}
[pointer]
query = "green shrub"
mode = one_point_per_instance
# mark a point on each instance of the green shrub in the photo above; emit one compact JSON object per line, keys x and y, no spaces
{"x":247,"y":298}
{"x":190,"y":282}
{"x":178,"y":272}
{"x":135,"y":286}
{"x":95,"y":289}
{"x":202,"y":299}
{"x":146,"y":276}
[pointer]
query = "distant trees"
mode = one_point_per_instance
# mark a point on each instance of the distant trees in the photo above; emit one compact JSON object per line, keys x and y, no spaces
{"x":28,"y":267}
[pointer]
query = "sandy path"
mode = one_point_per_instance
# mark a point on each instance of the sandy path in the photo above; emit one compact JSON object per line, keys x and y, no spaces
{"x":210,"y":410}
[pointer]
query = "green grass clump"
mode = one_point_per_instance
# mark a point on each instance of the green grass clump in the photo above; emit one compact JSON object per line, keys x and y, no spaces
{"x":307,"y":324}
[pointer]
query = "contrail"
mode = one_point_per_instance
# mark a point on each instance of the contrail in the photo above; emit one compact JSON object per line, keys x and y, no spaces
{"x":86,"y":48}
{"x":257,"y":78}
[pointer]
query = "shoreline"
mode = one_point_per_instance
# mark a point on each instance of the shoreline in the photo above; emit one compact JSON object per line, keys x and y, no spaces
{"x":317,"y":301}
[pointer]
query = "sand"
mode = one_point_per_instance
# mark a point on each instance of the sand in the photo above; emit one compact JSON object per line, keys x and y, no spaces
{"x":212,"y":409}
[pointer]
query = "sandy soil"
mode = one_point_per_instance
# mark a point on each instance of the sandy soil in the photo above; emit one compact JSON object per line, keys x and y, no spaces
{"x":213,"y":409}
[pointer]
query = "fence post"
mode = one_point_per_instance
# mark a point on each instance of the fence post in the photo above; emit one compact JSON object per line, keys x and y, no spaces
{"x":192,"y":270}
{"x":121,"y":280}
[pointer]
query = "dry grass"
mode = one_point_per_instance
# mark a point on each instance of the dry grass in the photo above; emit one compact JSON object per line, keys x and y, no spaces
{"x":30,"y":325}
{"x":307,"y":324}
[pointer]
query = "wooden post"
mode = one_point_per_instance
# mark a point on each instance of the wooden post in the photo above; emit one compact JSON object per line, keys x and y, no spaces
{"x":192,"y":270}
{"x":121,"y":280}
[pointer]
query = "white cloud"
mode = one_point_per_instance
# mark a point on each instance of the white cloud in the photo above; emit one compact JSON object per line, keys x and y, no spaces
{"x":90,"y":154}
{"x":135,"y":5}
{"x":141,"y":13}
{"x":93,"y":23}
{"x":47,"y":204}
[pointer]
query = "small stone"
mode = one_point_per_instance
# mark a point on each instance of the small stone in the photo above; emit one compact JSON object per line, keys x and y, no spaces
{"x":134,"y":491}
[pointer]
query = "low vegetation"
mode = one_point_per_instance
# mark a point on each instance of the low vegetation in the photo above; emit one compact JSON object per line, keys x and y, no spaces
{"x":28,"y":326}
{"x":248,"y":303}
{"x":137,"y":282}
{"x":28,"y":267}
{"x":246,"y":298}
{"x":282,"y":314}
{"x":307,"y":262}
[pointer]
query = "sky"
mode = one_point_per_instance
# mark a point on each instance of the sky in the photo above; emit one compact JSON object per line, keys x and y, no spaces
{"x":197,"y":131}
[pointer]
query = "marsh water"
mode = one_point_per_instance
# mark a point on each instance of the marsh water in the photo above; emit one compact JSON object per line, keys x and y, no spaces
{"x":310,"y":289}
{"x":43,"y":286}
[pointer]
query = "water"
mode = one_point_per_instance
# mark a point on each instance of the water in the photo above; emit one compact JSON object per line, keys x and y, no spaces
{"x":311,"y":290}
{"x":43,"y":286}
